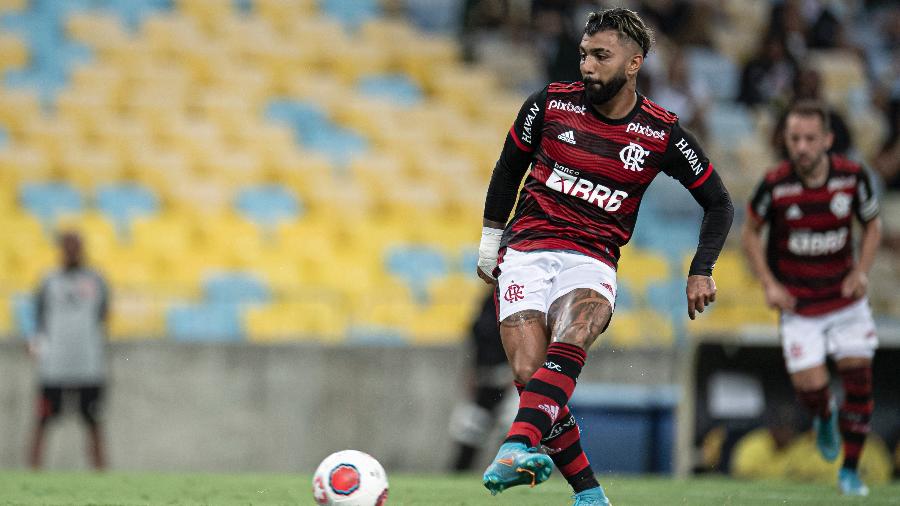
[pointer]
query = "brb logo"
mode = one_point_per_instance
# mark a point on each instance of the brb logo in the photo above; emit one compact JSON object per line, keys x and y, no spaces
{"x":632,"y":156}
{"x":514,"y":293}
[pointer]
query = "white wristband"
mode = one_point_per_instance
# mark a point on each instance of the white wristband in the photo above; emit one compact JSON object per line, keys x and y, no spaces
{"x":488,"y":248}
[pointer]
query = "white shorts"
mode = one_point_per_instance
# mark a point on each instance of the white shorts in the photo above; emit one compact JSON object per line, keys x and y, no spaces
{"x":533,"y":280}
{"x":847,"y":332}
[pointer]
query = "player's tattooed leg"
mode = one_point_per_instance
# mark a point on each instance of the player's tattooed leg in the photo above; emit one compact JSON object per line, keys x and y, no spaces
{"x":525,"y":338}
{"x":579,"y":317}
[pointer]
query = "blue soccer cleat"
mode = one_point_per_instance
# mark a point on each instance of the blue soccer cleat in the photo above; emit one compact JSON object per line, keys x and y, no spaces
{"x":850,"y":484}
{"x":591,"y":497}
{"x":828,"y":439}
{"x":515,"y":464}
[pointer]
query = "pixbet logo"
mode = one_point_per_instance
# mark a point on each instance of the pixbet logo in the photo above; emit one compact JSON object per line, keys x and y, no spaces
{"x":567,"y":106}
{"x":645,"y":131}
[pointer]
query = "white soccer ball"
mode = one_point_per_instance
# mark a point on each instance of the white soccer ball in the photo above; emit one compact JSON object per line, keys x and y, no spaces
{"x":350,"y":478}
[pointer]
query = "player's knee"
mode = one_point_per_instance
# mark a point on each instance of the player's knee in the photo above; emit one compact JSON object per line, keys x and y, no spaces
{"x":90,"y":414}
{"x":523,"y":370}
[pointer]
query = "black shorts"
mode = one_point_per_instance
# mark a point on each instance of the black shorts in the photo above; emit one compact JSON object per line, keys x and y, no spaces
{"x":90,"y":401}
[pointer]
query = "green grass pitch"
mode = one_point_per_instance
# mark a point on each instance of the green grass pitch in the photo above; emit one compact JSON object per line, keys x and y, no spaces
{"x":119,"y":488}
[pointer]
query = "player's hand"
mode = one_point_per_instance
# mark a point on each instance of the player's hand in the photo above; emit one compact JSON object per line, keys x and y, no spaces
{"x":855,"y":284}
{"x":487,"y":254}
{"x":701,"y":292}
{"x":778,"y":297}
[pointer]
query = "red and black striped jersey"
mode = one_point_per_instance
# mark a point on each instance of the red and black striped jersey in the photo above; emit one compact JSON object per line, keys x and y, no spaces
{"x":589,"y":173}
{"x":810,"y":242}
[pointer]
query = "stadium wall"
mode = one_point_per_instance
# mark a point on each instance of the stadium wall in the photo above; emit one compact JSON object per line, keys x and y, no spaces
{"x":272,"y":408}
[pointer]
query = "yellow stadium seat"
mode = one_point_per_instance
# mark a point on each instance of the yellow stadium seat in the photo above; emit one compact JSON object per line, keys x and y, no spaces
{"x":13,"y":5}
{"x":13,"y":52}
{"x":136,"y":315}
{"x":5,"y":316}
{"x":439,"y":324}
{"x":169,"y":33}
{"x":86,"y":167}
{"x":207,"y":13}
{"x":639,"y":328}
{"x":462,"y":288}
{"x":95,"y":29}
{"x":82,"y":106}
{"x":389,"y":305}
{"x":51,"y":135}
{"x":23,"y":164}
{"x":18,"y":107}
{"x":234,"y":165}
{"x":237,"y":239}
{"x":425,"y":59}
{"x":281,"y":13}
{"x":309,"y":319}
{"x":97,"y":232}
{"x":282,"y":270}
{"x":639,"y":268}
{"x":28,"y":266}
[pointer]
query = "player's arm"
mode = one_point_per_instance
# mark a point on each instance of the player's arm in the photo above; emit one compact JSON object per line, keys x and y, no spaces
{"x":685,"y":161}
{"x":758,"y":213}
{"x":866,"y":207}
{"x":515,"y":158}
{"x":40,"y":314}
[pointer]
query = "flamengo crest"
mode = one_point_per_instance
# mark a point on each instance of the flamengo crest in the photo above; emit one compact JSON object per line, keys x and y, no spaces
{"x":633,"y":155}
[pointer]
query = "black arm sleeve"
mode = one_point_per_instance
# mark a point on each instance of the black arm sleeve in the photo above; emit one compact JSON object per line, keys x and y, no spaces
{"x":516,"y":157}
{"x":718,"y":213}
{"x":686,"y":161}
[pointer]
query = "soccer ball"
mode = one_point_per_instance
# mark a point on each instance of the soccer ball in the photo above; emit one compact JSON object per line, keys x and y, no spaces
{"x":350,"y":478}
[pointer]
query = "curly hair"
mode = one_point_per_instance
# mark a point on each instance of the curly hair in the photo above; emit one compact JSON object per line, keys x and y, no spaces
{"x":624,"y":21}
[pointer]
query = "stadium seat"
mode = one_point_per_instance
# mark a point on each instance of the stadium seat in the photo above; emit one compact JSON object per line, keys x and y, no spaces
{"x":236,"y":288}
{"x":24,"y":316}
{"x":316,"y":319}
{"x":416,"y":265}
{"x":136,"y":315}
{"x":709,"y":68}
{"x":268,"y":205}
{"x":49,"y":200}
{"x":204,"y":323}
{"x":351,"y":13}
{"x":122,"y":203}
{"x":396,"y":87}
{"x":440,"y":324}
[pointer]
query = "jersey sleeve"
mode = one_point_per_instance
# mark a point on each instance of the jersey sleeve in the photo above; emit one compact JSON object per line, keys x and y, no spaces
{"x":525,"y":132}
{"x":865,"y":203}
{"x":760,"y":205}
{"x":685,"y":159}
{"x":515,"y":158}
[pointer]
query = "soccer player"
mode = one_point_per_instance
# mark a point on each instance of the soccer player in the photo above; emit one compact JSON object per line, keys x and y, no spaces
{"x":809,"y":275}
{"x":593,"y":146}
{"x":72,"y":307}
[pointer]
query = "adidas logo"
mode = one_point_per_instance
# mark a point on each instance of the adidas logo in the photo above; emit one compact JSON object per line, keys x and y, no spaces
{"x":794,"y":212}
{"x":567,"y":137}
{"x":552,"y":410}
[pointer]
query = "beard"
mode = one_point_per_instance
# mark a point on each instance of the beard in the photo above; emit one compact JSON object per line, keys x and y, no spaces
{"x":599,"y":93}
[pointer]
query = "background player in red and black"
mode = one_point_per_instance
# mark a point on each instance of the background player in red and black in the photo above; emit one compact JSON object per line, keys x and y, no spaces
{"x":808,"y":273}
{"x":593,"y":148}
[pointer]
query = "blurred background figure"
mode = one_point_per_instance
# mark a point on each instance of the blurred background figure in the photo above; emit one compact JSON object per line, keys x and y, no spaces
{"x":72,"y":304}
{"x":488,"y":379}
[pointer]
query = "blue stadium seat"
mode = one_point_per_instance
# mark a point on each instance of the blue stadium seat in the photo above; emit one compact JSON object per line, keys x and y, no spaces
{"x":122,"y":203}
{"x":397,"y":88}
{"x":440,"y":16}
{"x":48,"y":200}
{"x":313,"y":129}
{"x":267,"y":205}
{"x":235,"y":288}
{"x":351,"y":13}
{"x":468,"y":260}
{"x":204,"y":323}
{"x":416,"y":265}
{"x":24,"y":317}
{"x":4,"y":137}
